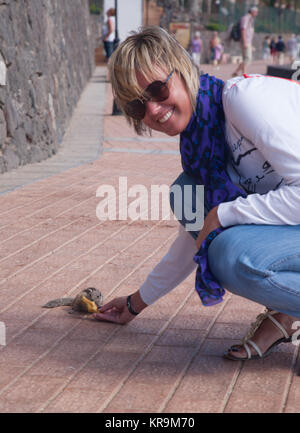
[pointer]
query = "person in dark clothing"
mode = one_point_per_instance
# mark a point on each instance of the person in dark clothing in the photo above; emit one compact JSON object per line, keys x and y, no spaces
{"x":280,"y":49}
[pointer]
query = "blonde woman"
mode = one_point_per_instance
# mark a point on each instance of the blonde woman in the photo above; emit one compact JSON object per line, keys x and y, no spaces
{"x":245,"y":150}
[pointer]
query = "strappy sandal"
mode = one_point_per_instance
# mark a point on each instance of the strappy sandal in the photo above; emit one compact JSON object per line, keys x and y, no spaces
{"x":268,"y":314}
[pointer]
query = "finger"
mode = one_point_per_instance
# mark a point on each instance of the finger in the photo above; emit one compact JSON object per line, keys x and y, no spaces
{"x":107,"y":317}
{"x":108,"y":306}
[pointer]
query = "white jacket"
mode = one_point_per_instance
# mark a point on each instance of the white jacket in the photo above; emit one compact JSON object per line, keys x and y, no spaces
{"x":263,"y":131}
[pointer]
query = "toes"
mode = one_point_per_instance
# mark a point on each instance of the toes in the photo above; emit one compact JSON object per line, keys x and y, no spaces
{"x":237,"y":351}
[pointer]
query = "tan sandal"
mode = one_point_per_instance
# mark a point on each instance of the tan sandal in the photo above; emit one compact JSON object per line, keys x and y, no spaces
{"x":268,"y":314}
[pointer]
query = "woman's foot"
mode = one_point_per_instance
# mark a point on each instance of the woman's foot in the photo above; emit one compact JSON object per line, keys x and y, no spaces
{"x":270,"y":329}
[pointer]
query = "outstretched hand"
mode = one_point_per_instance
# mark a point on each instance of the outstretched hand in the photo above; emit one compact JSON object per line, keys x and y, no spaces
{"x":115,"y":311}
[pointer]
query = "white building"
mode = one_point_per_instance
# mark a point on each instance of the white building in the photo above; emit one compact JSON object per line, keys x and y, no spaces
{"x":130,"y":15}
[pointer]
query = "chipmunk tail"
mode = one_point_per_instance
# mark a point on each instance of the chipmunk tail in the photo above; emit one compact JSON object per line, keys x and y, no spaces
{"x":59,"y":303}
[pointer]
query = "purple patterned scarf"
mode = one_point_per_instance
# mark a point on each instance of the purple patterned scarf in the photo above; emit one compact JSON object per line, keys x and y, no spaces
{"x":204,"y":151}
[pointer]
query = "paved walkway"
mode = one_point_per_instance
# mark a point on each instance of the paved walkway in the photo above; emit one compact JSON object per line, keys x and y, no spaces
{"x":169,"y":359}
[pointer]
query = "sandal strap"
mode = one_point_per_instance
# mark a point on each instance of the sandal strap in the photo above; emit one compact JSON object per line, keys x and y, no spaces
{"x":276,"y":323}
{"x":255,"y":347}
{"x":247,"y":350}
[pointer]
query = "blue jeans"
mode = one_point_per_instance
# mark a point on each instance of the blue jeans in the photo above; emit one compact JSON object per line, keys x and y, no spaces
{"x":109,"y":48}
{"x":257,"y":262}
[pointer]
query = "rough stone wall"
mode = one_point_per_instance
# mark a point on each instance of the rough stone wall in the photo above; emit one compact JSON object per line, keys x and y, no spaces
{"x":46,"y":57}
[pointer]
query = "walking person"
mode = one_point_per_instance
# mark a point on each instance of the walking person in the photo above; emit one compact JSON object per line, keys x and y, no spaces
{"x":240,"y":139}
{"x":216,"y":48}
{"x":280,"y":50}
{"x":196,"y":48}
{"x":273,"y":50}
{"x":109,"y":34}
{"x":247,"y":33}
{"x":292,"y":48}
{"x":266,"y":51}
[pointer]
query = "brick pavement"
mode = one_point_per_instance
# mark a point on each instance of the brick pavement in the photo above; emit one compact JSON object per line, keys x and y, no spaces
{"x":169,"y":359}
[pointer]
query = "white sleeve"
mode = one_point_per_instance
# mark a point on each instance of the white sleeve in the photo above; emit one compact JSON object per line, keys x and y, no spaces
{"x":173,"y":268}
{"x":266,"y":110}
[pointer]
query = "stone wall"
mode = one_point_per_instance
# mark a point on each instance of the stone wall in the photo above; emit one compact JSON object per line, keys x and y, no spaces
{"x":46,"y":57}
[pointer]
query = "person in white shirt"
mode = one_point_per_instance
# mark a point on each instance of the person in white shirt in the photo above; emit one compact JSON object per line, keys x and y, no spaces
{"x":258,"y":255}
{"x":109,"y":32}
{"x":247,"y":33}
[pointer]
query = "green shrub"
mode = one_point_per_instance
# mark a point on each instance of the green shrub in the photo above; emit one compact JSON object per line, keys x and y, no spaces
{"x":95,"y":9}
{"x":216,"y":27}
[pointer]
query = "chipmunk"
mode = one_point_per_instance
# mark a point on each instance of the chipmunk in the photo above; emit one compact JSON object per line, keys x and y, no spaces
{"x":88,"y":300}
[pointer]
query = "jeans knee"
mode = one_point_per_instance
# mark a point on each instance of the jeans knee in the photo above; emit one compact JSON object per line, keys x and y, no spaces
{"x":232,"y":262}
{"x":220,"y":259}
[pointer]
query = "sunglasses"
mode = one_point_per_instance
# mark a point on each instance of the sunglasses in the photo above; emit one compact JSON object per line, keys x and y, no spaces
{"x":157,"y":91}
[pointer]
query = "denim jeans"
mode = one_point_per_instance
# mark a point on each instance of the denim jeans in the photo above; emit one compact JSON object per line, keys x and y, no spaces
{"x":257,"y":262}
{"x":109,"y":48}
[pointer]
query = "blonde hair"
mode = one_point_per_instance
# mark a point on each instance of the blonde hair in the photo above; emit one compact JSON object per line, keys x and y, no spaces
{"x":141,"y":51}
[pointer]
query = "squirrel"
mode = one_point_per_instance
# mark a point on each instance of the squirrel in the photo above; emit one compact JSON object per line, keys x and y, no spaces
{"x":88,"y":300}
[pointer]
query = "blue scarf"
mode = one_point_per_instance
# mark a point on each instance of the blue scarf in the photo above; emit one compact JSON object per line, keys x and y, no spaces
{"x":204,"y":151}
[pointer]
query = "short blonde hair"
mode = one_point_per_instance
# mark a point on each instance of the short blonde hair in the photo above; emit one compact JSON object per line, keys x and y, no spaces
{"x":141,"y":51}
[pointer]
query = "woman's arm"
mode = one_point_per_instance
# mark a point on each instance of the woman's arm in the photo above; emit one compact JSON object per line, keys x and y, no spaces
{"x":172,"y":269}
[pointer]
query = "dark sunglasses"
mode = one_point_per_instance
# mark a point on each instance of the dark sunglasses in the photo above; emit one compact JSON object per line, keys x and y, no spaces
{"x":157,"y":91}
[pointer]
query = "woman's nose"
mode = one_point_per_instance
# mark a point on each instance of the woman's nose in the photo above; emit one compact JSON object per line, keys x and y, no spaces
{"x":152,"y":107}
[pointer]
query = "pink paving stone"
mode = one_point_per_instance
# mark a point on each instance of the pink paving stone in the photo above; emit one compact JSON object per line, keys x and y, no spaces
{"x":57,"y":319}
{"x":102,"y":380}
{"x":42,"y":338}
{"x":17,"y":355}
{"x":293,"y":401}
{"x":180,"y":337}
{"x":254,"y":403}
{"x":229,"y":330}
{"x":129,"y":341}
{"x":90,"y":329}
{"x":155,"y":372}
{"x":238,"y":303}
{"x":193,"y":405}
{"x":12,"y":327}
{"x":217,"y":347}
{"x":105,"y":371}
{"x":142,"y":396}
{"x":77,"y":401}
{"x":145,"y":325}
{"x":114,"y":408}
{"x":240,"y":315}
{"x":190,"y":321}
{"x":32,"y":390}
{"x":267,"y":377}
{"x":170,"y":355}
{"x":203,"y":377}
{"x":52,"y":367}
{"x":11,"y":372}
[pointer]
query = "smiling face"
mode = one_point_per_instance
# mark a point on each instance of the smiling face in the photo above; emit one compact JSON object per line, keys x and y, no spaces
{"x":172,"y":115}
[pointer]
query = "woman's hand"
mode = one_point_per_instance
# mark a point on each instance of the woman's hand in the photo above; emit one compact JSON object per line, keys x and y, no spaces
{"x":211,"y":223}
{"x":116,"y":311}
